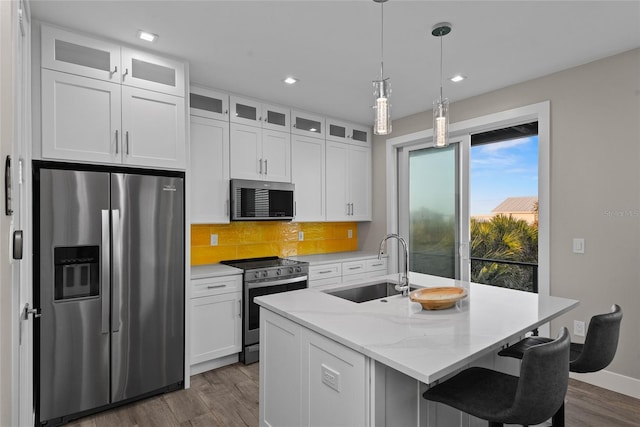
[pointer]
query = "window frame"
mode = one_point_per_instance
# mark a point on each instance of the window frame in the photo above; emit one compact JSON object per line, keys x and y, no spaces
{"x":539,"y":112}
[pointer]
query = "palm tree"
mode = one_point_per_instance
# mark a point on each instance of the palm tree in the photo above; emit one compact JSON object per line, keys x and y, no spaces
{"x":503,"y":238}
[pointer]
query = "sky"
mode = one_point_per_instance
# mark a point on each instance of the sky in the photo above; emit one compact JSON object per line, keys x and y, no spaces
{"x":503,"y":169}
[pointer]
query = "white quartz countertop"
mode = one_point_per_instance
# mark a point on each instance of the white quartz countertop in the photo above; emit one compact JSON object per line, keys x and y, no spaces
{"x":213,"y":270}
{"x":426,"y":345}
{"x":329,"y":258}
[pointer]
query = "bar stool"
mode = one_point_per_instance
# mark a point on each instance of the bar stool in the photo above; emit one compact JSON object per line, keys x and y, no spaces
{"x":598,"y":350}
{"x":500,"y":398}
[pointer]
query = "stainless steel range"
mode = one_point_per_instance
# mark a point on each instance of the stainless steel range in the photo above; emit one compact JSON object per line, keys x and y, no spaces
{"x":264,"y":276}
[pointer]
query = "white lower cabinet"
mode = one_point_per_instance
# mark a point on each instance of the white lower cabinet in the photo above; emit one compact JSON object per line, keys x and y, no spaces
{"x":216,"y":318}
{"x":334,"y":383}
{"x":335,"y":273}
{"x":307,"y":379}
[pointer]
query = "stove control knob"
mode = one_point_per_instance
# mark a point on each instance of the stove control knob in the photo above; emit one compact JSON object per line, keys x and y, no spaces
{"x":257,"y":274}
{"x":298,"y":269}
{"x":279,"y":271}
{"x":265,"y":273}
{"x":290,"y":270}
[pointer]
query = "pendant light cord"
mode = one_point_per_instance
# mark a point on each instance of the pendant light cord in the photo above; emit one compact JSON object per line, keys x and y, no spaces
{"x":441,"y":36}
{"x":381,"y":41}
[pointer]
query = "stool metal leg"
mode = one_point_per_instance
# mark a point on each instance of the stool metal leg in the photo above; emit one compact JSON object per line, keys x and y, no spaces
{"x":558,"y":418}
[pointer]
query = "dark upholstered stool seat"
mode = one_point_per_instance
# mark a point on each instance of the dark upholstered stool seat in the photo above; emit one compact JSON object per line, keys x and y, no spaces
{"x":501,"y":398}
{"x":487,"y":394}
{"x":518,"y":349}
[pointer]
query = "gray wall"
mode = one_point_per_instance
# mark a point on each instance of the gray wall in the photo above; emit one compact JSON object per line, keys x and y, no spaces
{"x":595,"y":186}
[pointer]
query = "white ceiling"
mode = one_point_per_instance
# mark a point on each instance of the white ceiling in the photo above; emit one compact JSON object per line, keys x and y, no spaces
{"x":333,"y":47}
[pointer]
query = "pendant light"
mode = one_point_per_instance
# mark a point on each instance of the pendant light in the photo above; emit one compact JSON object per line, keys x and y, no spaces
{"x":441,"y":105}
{"x":382,"y":89}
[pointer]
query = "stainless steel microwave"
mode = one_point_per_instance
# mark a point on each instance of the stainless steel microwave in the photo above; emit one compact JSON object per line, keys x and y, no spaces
{"x":261,"y":200}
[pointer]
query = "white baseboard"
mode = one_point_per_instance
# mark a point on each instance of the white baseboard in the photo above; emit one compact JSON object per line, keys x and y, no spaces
{"x":611,"y":381}
{"x":214,"y":364}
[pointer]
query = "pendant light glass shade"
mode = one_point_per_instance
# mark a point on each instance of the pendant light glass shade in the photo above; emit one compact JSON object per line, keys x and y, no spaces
{"x":382,"y":108}
{"x":381,"y":89}
{"x":441,"y":122}
{"x":441,"y":105}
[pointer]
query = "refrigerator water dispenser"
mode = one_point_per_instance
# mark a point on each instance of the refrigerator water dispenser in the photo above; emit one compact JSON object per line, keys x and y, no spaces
{"x":76,"y":272}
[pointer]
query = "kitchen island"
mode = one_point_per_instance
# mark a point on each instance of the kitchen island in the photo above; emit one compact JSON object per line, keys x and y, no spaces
{"x":330,"y":361}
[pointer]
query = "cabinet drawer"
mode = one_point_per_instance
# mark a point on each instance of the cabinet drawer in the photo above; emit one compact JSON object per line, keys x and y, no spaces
{"x":215,"y":286}
{"x":377,"y":264}
{"x":325,"y":271}
{"x":354,"y":267}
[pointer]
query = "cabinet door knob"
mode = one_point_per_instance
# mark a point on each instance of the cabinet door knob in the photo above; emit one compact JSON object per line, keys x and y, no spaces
{"x":115,"y":70}
{"x":126,"y":71}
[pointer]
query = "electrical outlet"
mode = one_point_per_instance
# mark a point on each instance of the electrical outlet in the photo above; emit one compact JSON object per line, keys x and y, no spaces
{"x":301,"y":235}
{"x":578,"y":328}
{"x":214,"y":240}
{"x":330,"y":377}
{"x":350,"y":234}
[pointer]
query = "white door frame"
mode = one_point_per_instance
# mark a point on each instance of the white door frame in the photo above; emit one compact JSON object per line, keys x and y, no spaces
{"x":539,"y":112}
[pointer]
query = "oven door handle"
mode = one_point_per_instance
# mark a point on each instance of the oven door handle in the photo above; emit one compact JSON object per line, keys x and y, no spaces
{"x":255,"y":285}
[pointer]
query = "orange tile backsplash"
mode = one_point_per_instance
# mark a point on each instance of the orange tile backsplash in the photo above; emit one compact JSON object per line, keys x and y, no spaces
{"x":239,"y":240}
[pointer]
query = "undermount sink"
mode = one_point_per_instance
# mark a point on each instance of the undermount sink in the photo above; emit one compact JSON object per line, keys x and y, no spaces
{"x":367,"y":292}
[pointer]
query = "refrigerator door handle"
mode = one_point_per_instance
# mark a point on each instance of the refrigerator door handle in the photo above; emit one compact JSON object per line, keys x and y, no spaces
{"x":104,"y":272}
{"x":117,"y":270}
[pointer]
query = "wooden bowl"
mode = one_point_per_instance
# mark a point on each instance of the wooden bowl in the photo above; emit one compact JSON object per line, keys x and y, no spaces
{"x":438,"y":298}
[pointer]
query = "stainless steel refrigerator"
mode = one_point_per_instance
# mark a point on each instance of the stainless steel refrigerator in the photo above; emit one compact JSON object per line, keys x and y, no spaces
{"x":109,"y":283}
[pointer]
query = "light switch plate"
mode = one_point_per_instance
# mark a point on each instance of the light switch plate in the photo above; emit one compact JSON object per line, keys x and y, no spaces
{"x":350,"y":234}
{"x":578,"y":246}
{"x":301,"y":235}
{"x":578,"y":328}
{"x":214,"y":240}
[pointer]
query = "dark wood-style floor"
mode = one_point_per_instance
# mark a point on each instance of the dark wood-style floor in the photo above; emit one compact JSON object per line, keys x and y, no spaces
{"x":229,"y":397}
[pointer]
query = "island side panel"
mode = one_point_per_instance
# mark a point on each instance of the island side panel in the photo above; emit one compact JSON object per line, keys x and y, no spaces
{"x":279,"y":371}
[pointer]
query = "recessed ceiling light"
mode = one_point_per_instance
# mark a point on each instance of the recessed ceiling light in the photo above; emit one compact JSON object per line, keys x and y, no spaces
{"x":290,"y":80}
{"x":149,"y":37}
{"x":457,"y":78}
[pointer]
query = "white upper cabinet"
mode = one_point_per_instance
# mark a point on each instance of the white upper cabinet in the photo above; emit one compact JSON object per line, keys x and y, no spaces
{"x":209,"y":104}
{"x":78,"y":54}
{"x":255,"y":113}
{"x":110,"y":104}
{"x":152,"y":72}
{"x":276,"y":155}
{"x":260,"y":154}
{"x":348,"y":182}
{"x":209,"y":171}
{"x":347,"y":132}
{"x":154,"y":128}
{"x":308,"y":175}
{"x":307,"y":124}
{"x":80,"y":118}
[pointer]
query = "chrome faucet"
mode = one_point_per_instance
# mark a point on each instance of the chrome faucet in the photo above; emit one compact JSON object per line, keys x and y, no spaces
{"x":404,"y":279}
